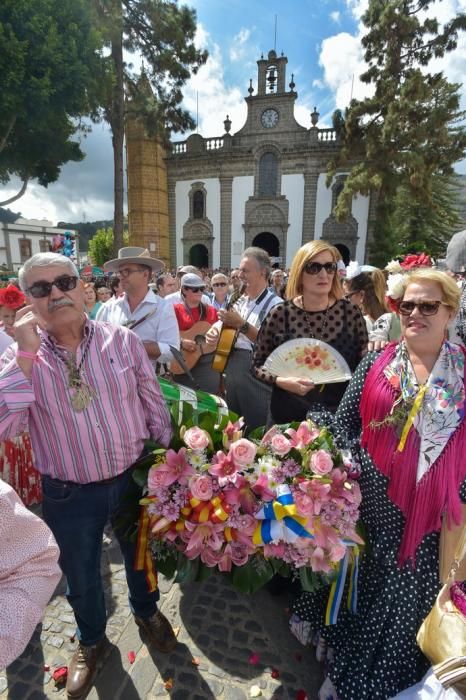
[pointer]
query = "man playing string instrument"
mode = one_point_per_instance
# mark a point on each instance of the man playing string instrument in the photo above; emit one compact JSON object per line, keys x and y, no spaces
{"x":89,"y":396}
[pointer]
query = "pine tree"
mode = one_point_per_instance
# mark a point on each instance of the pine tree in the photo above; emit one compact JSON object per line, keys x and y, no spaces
{"x":162,"y":33}
{"x":409,"y":131}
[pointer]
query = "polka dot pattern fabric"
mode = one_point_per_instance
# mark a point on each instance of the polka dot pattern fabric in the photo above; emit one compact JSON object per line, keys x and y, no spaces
{"x":376,"y":655}
{"x":344,"y":329}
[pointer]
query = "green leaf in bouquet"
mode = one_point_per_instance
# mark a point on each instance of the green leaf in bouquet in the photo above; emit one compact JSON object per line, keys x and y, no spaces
{"x":140,"y":475}
{"x":253,"y":575}
{"x":311,"y":580}
{"x":166,"y":565}
{"x":280,"y":567}
{"x":204,"y":572}
{"x":187,"y":569}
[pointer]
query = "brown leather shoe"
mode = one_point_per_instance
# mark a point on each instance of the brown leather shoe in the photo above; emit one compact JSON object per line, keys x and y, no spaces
{"x":159,"y":631}
{"x":82,"y":669}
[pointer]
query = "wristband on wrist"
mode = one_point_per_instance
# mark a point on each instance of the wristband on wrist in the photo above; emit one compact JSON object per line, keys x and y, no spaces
{"x":244,"y":328}
{"x":26,"y":355}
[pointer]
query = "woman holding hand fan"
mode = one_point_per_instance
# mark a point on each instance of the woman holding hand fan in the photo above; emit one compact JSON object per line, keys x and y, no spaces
{"x":309,"y":376}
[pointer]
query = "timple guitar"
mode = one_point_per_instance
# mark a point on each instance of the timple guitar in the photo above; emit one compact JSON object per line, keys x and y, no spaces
{"x":196,"y":333}
{"x":226,"y":339}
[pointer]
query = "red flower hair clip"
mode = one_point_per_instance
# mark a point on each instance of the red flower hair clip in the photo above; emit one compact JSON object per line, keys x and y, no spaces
{"x":12,"y":297}
{"x":415,"y":260}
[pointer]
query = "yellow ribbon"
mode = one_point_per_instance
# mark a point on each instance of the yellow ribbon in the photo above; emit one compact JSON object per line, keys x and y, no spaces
{"x":412,"y":415}
{"x":143,"y":558}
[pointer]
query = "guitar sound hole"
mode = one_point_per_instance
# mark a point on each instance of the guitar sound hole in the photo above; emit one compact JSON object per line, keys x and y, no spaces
{"x":199,"y":339}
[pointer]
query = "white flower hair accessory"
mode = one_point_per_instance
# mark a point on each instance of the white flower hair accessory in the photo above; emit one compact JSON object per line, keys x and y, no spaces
{"x":341,"y":269}
{"x":393,"y":267}
{"x":395,"y":286}
{"x":353,"y":270}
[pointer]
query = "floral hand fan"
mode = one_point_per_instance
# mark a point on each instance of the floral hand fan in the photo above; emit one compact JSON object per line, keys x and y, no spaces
{"x":308,"y":358}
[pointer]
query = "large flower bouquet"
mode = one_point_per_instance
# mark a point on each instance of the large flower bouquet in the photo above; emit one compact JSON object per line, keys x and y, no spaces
{"x":284,"y":500}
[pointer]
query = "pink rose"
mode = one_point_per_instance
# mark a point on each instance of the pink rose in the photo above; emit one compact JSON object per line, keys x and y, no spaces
{"x":280,"y":445}
{"x":155,"y":479}
{"x":196,"y":439}
{"x":201,"y":487}
{"x":242,"y":452}
{"x":321,"y":462}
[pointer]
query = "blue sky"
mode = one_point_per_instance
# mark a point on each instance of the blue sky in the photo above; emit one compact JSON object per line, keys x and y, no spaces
{"x":321,"y":39}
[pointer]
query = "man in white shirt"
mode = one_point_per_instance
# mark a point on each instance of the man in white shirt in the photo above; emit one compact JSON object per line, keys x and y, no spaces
{"x":246,"y":395}
{"x":139,"y":309}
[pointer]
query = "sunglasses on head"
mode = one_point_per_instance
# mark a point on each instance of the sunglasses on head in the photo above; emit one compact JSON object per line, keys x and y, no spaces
{"x":219,"y":284}
{"x":313,"y":268}
{"x":426,"y":308}
{"x":65,"y":283}
{"x":194,"y":289}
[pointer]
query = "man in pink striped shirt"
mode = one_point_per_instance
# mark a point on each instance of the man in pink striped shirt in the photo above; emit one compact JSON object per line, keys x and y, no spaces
{"x":88,"y":394}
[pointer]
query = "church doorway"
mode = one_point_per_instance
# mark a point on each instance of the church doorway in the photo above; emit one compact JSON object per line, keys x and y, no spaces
{"x":345,"y":254}
{"x":199,"y":256}
{"x":269,"y":242}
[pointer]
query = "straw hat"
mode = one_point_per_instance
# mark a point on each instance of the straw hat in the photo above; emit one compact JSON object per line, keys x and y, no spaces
{"x":136,"y":256}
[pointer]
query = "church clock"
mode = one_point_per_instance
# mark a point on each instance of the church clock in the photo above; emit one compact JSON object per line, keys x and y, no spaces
{"x":269,"y":118}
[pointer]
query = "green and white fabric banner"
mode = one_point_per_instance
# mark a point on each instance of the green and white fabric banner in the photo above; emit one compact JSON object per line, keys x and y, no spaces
{"x":199,"y":400}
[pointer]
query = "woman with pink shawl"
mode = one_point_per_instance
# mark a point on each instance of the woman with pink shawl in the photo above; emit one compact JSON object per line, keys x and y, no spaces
{"x":405,"y":408}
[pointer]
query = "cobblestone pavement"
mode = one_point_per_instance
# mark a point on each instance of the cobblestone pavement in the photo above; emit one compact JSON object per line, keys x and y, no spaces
{"x":217,"y":627}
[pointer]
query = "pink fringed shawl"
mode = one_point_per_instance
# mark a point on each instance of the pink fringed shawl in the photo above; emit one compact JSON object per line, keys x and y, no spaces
{"x":437,"y":492}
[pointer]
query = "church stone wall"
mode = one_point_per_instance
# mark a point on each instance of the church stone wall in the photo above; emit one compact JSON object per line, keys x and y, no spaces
{"x":243,"y":188}
{"x":293,"y":189}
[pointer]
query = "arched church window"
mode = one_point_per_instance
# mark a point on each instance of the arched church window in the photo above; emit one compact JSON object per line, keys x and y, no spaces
{"x":198,"y":205}
{"x":268,"y":171}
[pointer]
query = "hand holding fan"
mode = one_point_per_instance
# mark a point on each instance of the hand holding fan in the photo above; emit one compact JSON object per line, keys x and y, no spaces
{"x":308,"y":358}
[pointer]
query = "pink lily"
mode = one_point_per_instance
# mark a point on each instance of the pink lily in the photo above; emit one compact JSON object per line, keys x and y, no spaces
{"x":203,"y":535}
{"x":261,"y":489}
{"x":223,"y":468}
{"x":241,"y":494}
{"x":303,"y":436}
{"x":176,"y":468}
{"x":319,"y":561}
{"x":225,"y":561}
{"x":232,"y":432}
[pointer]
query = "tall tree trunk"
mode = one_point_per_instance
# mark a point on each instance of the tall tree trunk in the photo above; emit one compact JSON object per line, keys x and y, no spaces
{"x":117,"y":124}
{"x":17,"y":195}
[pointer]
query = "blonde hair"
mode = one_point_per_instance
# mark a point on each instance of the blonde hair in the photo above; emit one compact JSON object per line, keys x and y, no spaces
{"x":451,"y":293}
{"x":303,"y":256}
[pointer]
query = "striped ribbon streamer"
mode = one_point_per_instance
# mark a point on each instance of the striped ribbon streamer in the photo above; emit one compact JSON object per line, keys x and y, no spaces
{"x":416,"y":407}
{"x":350,"y":559}
{"x":143,"y":557}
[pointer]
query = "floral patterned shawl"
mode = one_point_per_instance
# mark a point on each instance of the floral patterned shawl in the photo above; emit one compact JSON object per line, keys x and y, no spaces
{"x":416,"y":437}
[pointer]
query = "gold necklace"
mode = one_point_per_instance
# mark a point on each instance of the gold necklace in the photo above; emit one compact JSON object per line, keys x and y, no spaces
{"x":83,"y":393}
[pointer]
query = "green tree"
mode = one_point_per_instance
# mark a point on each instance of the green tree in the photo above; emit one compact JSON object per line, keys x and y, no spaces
{"x":409,"y":131}
{"x":162,"y":33}
{"x":416,"y":227}
{"x":100,"y":248}
{"x":49,"y":71}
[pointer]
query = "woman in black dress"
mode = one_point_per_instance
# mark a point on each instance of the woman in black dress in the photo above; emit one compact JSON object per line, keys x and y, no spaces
{"x":315,"y":308}
{"x":409,"y":403}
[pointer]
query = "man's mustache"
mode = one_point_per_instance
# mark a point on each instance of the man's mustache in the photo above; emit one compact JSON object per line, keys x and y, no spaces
{"x":59,"y":302}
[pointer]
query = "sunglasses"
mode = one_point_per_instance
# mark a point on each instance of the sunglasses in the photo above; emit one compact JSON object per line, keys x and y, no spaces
{"x":426,"y":308}
{"x":313,"y":268}
{"x":126,"y":272}
{"x":348,"y":295}
{"x":219,"y":284}
{"x":194,"y":289}
{"x":65,"y":283}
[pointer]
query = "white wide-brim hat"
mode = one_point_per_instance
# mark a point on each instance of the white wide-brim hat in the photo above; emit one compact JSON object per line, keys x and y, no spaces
{"x":135,"y":255}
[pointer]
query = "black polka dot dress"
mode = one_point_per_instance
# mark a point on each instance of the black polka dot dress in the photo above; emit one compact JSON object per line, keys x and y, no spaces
{"x":376,"y":655}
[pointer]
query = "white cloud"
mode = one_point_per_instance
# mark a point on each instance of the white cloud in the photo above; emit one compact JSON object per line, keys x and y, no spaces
{"x":238,"y":48}
{"x":335,"y":17}
{"x":215,"y":99}
{"x":341,"y":58}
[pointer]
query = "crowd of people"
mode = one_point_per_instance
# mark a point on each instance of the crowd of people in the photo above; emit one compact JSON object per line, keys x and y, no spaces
{"x":78,"y":379}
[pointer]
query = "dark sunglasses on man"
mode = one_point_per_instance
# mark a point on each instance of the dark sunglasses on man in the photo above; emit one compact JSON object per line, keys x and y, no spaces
{"x":219,"y":284}
{"x":40,"y":289}
{"x":194,"y":289}
{"x":313,"y":268}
